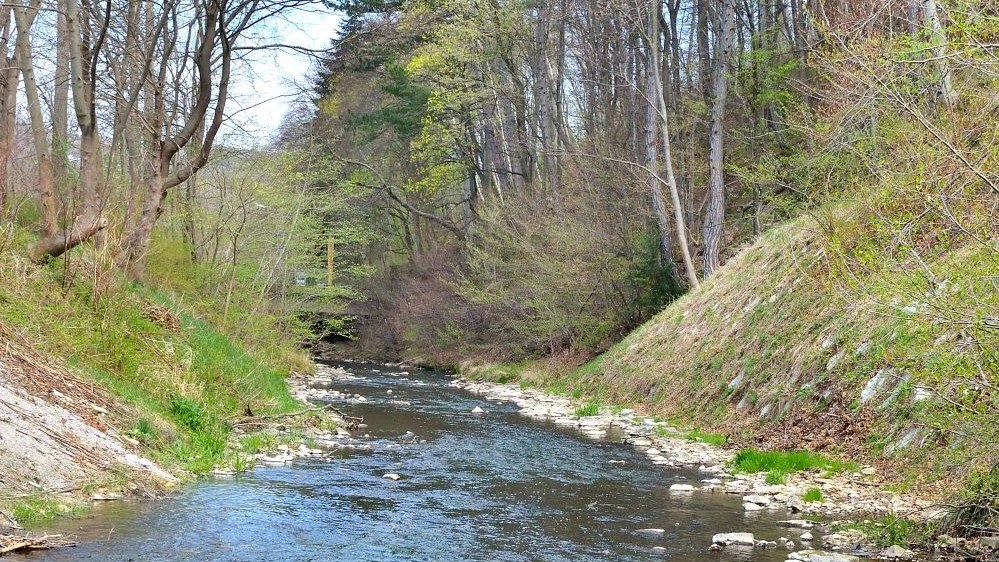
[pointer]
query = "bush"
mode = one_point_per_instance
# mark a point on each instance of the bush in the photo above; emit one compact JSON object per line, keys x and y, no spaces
{"x":974,"y":509}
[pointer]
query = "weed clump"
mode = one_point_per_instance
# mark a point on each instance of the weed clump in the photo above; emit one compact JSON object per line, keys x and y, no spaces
{"x":786,"y":462}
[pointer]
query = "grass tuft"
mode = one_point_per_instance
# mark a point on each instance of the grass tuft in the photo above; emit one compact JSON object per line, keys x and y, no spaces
{"x":787,"y":462}
{"x":775,"y":477}
{"x":812,"y":495}
{"x":588,"y":410}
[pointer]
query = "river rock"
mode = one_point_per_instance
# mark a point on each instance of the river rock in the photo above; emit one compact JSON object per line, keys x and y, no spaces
{"x":651,"y":531}
{"x":806,"y":536}
{"x":727,"y":539}
{"x":477,"y":410}
{"x":795,"y":504}
{"x":748,"y":506}
{"x":821,"y":556}
{"x":895,"y":552}
{"x":681,"y":488}
{"x":844,"y":540}
{"x":757,"y":499}
{"x":391,"y":476}
{"x":799,"y":523}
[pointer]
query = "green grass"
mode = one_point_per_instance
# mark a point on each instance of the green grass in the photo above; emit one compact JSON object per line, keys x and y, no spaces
{"x":812,"y":495}
{"x":775,"y":477}
{"x":891,"y":529}
{"x":587,"y":410}
{"x":254,"y":443}
{"x":38,"y":509}
{"x":716,"y":439}
{"x":182,"y":383}
{"x":787,"y":462}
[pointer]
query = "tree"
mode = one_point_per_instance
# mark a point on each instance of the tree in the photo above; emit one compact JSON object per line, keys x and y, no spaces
{"x":714,"y":219}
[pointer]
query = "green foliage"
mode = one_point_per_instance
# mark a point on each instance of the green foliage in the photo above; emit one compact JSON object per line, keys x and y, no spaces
{"x":187,"y":413}
{"x":716,"y":439}
{"x":892,"y":529}
{"x":588,"y":409}
{"x":754,"y":460}
{"x":182,"y":382}
{"x":257,"y":442}
{"x":975,"y":506}
{"x":41,"y":508}
{"x":776,"y":477}
{"x":812,"y":495}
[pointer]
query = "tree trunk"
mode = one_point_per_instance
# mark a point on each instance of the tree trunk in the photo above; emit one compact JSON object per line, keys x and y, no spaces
{"x":25,"y":16}
{"x":9,"y":75}
{"x":655,"y":98}
{"x":60,"y":102}
{"x":714,"y":220}
{"x":545,"y":94}
{"x":945,"y":93}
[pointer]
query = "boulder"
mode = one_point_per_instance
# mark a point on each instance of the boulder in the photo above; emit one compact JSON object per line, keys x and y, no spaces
{"x":681,"y":488}
{"x":728,"y":539}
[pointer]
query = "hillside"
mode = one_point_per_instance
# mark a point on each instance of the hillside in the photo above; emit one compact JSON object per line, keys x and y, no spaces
{"x":128,"y":389}
{"x":844,"y":347}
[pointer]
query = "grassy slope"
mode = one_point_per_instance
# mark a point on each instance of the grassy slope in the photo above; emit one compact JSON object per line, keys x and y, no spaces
{"x":181,"y":383}
{"x":776,"y":347}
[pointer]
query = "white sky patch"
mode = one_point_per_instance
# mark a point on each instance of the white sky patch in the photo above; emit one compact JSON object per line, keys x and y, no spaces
{"x":268,"y":82}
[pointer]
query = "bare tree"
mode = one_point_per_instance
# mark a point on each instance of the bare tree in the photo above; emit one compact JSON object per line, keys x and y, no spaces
{"x":714,"y":220}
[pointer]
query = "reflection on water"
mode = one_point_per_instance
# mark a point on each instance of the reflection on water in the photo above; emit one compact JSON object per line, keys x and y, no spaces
{"x":489,"y":487}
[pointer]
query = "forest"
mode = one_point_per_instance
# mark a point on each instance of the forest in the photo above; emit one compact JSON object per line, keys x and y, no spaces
{"x":734,"y":213}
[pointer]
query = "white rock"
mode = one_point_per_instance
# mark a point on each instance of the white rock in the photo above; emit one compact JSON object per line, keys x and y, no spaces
{"x":391,"y":476}
{"x":477,"y":410}
{"x":651,"y":531}
{"x":752,"y":506}
{"x":895,"y":552}
{"x":726,"y":539}
{"x":806,"y":536}
{"x":757,"y":499}
{"x":681,"y":488}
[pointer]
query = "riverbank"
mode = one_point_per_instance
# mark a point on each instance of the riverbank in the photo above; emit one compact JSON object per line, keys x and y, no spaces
{"x":118,"y":390}
{"x":826,"y":501}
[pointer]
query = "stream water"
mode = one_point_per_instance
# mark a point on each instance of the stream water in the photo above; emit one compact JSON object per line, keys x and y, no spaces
{"x":492,"y":487}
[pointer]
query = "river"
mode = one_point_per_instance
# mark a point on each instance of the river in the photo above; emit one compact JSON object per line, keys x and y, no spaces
{"x":495,"y":486}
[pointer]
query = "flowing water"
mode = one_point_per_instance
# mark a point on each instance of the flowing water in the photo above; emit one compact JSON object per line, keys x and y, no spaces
{"x":492,"y":487}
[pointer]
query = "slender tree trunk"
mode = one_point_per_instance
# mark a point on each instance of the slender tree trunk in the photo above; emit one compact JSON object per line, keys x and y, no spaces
{"x":60,"y":102}
{"x":9,"y":75}
{"x":25,"y":16}
{"x":714,"y":220}
{"x":657,"y":123}
{"x":945,"y":94}
{"x":545,"y":93}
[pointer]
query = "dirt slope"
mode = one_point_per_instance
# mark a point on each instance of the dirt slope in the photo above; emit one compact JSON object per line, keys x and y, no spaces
{"x":60,"y":434}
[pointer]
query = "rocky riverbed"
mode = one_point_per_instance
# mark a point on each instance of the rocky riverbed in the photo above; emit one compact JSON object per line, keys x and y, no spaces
{"x":844,"y":495}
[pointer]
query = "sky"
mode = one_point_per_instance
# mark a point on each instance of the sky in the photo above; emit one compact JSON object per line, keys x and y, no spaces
{"x":267,"y":85}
